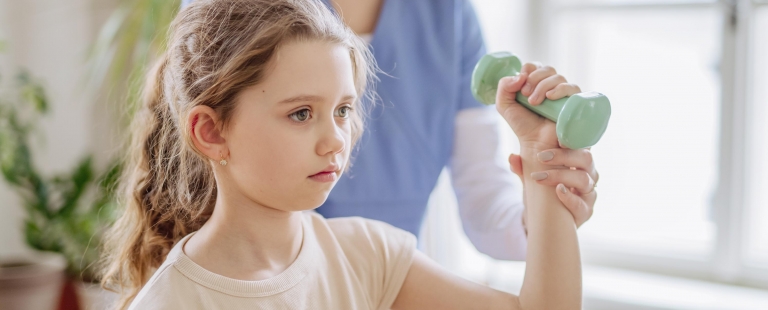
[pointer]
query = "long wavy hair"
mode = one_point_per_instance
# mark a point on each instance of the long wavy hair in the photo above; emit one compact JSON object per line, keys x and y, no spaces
{"x":216,"y":48}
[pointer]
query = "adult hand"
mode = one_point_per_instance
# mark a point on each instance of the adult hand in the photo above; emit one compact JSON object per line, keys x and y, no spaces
{"x":580,"y":178}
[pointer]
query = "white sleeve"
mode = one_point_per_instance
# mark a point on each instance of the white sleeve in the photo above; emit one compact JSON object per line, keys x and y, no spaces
{"x":489,"y":195}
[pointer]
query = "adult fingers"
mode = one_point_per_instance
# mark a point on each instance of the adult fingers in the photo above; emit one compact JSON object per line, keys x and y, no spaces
{"x":516,"y":164}
{"x":580,"y":159}
{"x":578,"y":179}
{"x":579,"y":208}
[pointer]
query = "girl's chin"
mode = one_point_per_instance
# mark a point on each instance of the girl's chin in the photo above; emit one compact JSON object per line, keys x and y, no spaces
{"x":306,"y":198}
{"x":314,"y":204}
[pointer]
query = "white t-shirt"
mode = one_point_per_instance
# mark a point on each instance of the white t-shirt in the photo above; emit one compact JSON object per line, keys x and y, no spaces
{"x":344,"y":263}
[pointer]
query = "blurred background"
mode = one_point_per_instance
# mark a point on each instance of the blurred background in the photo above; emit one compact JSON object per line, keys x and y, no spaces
{"x":680,"y":222}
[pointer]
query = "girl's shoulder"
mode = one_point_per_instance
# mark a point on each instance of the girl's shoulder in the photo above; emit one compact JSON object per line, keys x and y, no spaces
{"x":378,"y":254}
{"x":358,"y":233}
{"x":167,"y":289}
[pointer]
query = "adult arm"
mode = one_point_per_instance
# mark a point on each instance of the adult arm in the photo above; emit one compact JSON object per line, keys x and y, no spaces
{"x":489,"y":196}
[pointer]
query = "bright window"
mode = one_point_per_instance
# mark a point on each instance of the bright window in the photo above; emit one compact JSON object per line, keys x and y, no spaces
{"x":684,"y":162}
{"x":658,"y":158}
{"x":757,"y":171}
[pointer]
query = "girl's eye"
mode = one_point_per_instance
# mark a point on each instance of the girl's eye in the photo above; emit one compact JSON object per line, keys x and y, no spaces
{"x":343,"y":111}
{"x":300,"y":116}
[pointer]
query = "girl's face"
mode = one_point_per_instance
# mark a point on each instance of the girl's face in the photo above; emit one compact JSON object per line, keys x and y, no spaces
{"x":289,"y":138}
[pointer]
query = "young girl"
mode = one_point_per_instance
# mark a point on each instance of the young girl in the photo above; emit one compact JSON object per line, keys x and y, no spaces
{"x":249,"y":120}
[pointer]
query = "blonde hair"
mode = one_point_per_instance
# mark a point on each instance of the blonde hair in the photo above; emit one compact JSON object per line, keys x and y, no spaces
{"x":216,"y":49}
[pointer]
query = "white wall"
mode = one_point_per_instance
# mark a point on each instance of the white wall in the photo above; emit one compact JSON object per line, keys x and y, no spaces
{"x":50,"y":38}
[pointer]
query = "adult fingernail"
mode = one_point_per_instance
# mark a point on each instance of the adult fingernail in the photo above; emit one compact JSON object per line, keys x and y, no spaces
{"x":538,"y":176}
{"x":562,"y":188}
{"x":546,"y":156}
{"x":533,"y":98}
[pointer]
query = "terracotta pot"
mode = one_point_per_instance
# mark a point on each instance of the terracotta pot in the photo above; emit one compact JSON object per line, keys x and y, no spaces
{"x":32,"y":281}
{"x":69,"y":300}
{"x":93,"y":297}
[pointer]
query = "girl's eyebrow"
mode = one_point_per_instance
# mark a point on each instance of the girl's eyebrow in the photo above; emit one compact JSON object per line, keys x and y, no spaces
{"x":311,"y":98}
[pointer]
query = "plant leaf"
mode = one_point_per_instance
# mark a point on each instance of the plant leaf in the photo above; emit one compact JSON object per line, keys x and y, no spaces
{"x":78,"y":181}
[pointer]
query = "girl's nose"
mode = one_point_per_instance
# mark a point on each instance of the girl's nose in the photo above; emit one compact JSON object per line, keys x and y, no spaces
{"x":331,"y":138}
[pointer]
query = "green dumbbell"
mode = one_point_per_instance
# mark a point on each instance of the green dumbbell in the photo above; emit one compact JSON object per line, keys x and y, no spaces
{"x":581,"y":118}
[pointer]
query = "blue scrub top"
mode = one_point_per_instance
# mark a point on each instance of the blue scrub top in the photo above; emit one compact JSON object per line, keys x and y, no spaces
{"x":427,"y":50}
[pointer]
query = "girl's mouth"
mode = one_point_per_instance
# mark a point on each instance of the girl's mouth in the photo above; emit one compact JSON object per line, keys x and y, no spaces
{"x":326,"y":176}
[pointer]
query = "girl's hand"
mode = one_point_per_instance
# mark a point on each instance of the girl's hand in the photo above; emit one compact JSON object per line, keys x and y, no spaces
{"x":572,"y":168}
{"x":543,"y":81}
{"x":535,"y":81}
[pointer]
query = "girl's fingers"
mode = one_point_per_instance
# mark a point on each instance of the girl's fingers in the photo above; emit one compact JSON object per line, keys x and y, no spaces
{"x":547,"y":84}
{"x":563,"y":90}
{"x":579,"y":208}
{"x":577,"y":179}
{"x":522,"y":120}
{"x":581,"y":159}
{"x":535,"y":77}
{"x":512,"y":84}
{"x":530,"y":67}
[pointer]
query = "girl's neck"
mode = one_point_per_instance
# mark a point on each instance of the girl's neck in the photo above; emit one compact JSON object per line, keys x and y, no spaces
{"x":247,"y":241}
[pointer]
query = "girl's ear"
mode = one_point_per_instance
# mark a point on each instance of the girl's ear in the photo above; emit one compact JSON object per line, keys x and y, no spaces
{"x":205,"y":132}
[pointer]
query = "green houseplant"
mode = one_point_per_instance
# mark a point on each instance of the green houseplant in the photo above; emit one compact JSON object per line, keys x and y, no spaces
{"x":126,"y":44}
{"x":32,"y":280}
{"x":65,"y":213}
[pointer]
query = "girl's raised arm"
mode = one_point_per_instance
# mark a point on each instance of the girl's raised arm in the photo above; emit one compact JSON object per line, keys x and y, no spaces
{"x":553,"y":269}
{"x":552,"y":272}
